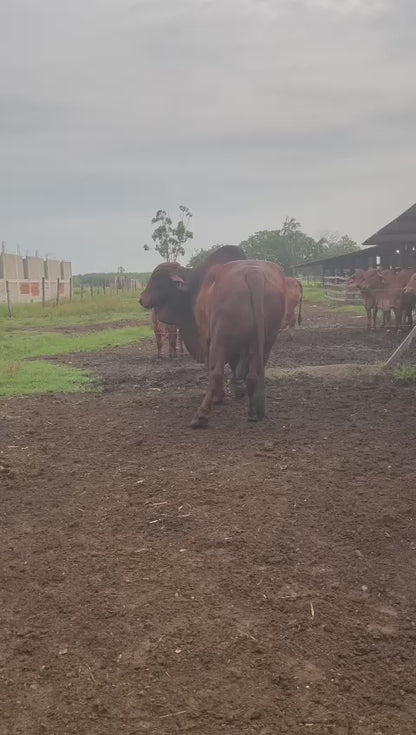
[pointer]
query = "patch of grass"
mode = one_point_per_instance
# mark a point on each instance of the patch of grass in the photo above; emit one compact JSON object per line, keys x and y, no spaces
{"x":95,"y":309}
{"x":406,"y":374}
{"x":18,"y":376}
{"x":18,"y":345}
{"x":31,"y":378}
{"x":313,"y":294}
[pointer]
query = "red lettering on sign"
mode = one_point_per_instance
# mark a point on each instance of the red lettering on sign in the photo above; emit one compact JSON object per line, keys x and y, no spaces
{"x":25,"y":288}
{"x":61,"y":288}
{"x":34,"y":288}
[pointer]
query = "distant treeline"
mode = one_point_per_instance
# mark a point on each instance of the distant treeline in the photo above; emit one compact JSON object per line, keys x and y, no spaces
{"x":103,"y":279}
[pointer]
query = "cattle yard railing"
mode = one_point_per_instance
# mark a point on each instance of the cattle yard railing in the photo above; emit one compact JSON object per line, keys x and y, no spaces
{"x":337,"y":293}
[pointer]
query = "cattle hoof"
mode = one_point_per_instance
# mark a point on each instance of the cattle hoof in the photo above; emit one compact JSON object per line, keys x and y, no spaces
{"x":252,"y":417}
{"x":199,"y":422}
{"x":239,"y":392}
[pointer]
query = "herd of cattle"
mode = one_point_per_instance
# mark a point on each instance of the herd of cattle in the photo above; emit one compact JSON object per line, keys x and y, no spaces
{"x":386,"y":291}
{"x":229,"y":310}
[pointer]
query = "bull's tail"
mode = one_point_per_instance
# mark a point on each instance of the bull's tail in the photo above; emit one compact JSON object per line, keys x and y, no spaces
{"x":255,"y":283}
{"x":300,"y":303}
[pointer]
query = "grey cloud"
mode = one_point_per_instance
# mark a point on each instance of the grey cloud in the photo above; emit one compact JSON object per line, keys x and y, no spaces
{"x":246,"y":110}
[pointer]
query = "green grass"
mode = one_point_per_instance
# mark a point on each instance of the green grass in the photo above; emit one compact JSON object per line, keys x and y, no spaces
{"x":405,"y":374}
{"x":31,"y":378}
{"x":18,"y":345}
{"x":313,"y":294}
{"x":95,"y":309}
{"x":19,"y":376}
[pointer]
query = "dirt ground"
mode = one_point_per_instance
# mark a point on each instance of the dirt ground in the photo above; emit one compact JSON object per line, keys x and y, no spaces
{"x":247,"y":579}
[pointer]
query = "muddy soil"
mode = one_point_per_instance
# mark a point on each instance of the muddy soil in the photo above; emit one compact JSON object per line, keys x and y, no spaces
{"x":246,"y":579}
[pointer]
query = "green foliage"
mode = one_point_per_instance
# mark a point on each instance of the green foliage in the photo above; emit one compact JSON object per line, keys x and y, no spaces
{"x":287,"y":248}
{"x":169,"y":240}
{"x":290,"y":246}
{"x":336,"y":245}
{"x":30,"y":378}
{"x":406,"y":374}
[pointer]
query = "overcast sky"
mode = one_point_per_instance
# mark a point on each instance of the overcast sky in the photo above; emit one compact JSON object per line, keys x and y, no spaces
{"x":244,"y":110}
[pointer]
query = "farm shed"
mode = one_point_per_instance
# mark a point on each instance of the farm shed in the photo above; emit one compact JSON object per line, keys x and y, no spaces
{"x":394,"y":246}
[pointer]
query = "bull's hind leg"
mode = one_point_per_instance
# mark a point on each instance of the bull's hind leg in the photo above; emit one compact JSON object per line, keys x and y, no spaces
{"x":172,"y":336}
{"x":215,"y":387}
{"x":239,"y":366}
{"x":158,"y":337}
{"x":255,"y":390}
{"x":291,"y":327}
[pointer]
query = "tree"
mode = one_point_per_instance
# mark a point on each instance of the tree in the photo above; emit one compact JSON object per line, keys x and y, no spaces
{"x":336,"y":245}
{"x":121,"y":270}
{"x":288,"y":246}
{"x":169,"y":241}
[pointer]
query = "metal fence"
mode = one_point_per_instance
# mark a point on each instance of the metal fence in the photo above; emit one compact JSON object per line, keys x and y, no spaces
{"x":337,"y":293}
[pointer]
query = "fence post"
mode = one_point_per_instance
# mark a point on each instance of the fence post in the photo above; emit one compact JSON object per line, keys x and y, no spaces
{"x":401,"y":348}
{"x":71,"y":289}
{"x":58,"y":284}
{"x":43,"y":291}
{"x":92,"y":289}
{"x":9,"y":303}
{"x":82,"y":289}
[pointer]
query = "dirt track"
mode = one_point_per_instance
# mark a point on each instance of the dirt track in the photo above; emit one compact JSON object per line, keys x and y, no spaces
{"x":247,"y":579}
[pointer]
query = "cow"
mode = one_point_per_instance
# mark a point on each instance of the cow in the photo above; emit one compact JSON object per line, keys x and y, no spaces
{"x":381,"y":289}
{"x":358,"y":280}
{"x":294,"y":298}
{"x":168,"y":332}
{"x":409,"y":298}
{"x":229,"y":310}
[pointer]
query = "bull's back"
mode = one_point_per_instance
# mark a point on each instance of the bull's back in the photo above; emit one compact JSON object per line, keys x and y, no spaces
{"x":225,"y":300}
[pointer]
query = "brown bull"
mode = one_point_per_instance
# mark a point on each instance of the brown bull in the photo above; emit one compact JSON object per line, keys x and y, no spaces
{"x":228,"y":314}
{"x":294,"y":298}
{"x":168,"y":332}
{"x":239,"y":311}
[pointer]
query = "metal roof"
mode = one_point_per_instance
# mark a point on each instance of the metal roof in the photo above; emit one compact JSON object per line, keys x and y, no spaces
{"x":339,"y":258}
{"x":400,"y":231}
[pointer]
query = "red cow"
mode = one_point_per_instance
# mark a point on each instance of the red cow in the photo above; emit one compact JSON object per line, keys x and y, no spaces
{"x":168,"y":332}
{"x":294,"y":298}
{"x":381,"y":290}
{"x":227,"y":314}
{"x":409,"y":298}
{"x":358,"y":280}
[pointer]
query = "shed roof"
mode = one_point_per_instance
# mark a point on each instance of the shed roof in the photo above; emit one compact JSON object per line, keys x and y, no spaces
{"x":399,"y":231}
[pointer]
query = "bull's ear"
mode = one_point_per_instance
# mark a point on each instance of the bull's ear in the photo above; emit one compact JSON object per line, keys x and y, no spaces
{"x":178,"y":282}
